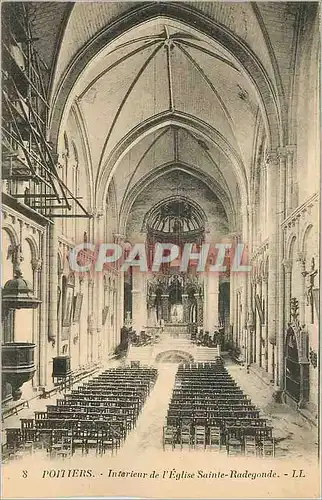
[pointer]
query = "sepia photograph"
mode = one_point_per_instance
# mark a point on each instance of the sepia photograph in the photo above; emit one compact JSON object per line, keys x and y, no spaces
{"x":160,"y":249}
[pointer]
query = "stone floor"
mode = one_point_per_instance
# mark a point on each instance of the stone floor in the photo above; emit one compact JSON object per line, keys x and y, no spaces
{"x":148,"y":431}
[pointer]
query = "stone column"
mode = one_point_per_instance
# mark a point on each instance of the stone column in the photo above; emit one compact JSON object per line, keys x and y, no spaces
{"x":247,"y":249}
{"x":90,"y":321}
{"x":81,"y":344}
{"x":287,"y":263}
{"x":36,"y":265}
{"x":139,"y":320}
{"x":282,"y":156}
{"x":43,"y":313}
{"x":234,"y":285}
{"x":119,"y":302}
{"x":268,"y":346}
{"x":185,"y":306}
{"x":200,"y":315}
{"x":53,"y":284}
{"x":272,"y":210}
{"x":98,"y":288}
{"x":301,"y":263}
{"x":250,"y":326}
{"x":211,"y":316}
{"x":258,"y":329}
{"x":290,"y":184}
{"x":114,"y":302}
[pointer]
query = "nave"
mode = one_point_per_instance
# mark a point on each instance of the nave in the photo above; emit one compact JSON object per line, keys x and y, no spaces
{"x":133,"y":409}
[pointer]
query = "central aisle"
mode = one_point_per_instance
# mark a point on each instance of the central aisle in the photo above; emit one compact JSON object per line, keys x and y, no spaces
{"x":148,"y":431}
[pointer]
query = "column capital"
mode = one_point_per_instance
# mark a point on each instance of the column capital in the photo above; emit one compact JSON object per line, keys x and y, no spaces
{"x":119,"y":238}
{"x":36,"y":264}
{"x":235,"y":235}
{"x":272,"y":158}
{"x":286,"y":151}
{"x":287,"y":263}
{"x":95,"y":212}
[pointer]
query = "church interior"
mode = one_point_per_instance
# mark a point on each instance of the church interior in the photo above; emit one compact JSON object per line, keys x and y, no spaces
{"x":175,"y":123}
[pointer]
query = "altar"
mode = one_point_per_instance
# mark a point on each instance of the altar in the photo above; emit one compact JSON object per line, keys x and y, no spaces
{"x":175,"y":301}
{"x":177,"y":330}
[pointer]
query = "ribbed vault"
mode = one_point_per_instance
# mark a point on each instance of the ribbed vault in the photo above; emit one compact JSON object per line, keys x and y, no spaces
{"x":161,"y":95}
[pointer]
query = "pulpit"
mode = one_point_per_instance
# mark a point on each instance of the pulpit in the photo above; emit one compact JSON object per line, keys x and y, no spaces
{"x":18,"y":367}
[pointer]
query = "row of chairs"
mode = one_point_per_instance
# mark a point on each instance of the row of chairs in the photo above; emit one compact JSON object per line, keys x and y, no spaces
{"x":209,"y":410}
{"x":98,"y":415}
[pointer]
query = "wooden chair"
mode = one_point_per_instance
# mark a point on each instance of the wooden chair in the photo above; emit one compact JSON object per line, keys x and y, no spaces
{"x":250,"y":446}
{"x":106,"y":441}
{"x":234,"y":443}
{"x":267,"y":447}
{"x":185,"y":436}
{"x":200,"y":436}
{"x":44,"y":438}
{"x":169,"y":436}
{"x":63,"y":447}
{"x":79,"y":440}
{"x":92,"y":440}
{"x":13,"y":442}
{"x":215,"y":437}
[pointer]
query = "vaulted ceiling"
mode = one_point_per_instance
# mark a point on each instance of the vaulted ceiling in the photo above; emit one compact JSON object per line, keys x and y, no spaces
{"x":157,"y":91}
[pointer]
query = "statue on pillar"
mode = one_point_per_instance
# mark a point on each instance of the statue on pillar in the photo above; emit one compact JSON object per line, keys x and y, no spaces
{"x":14,"y":252}
{"x":310,"y":277}
{"x":309,"y":285}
